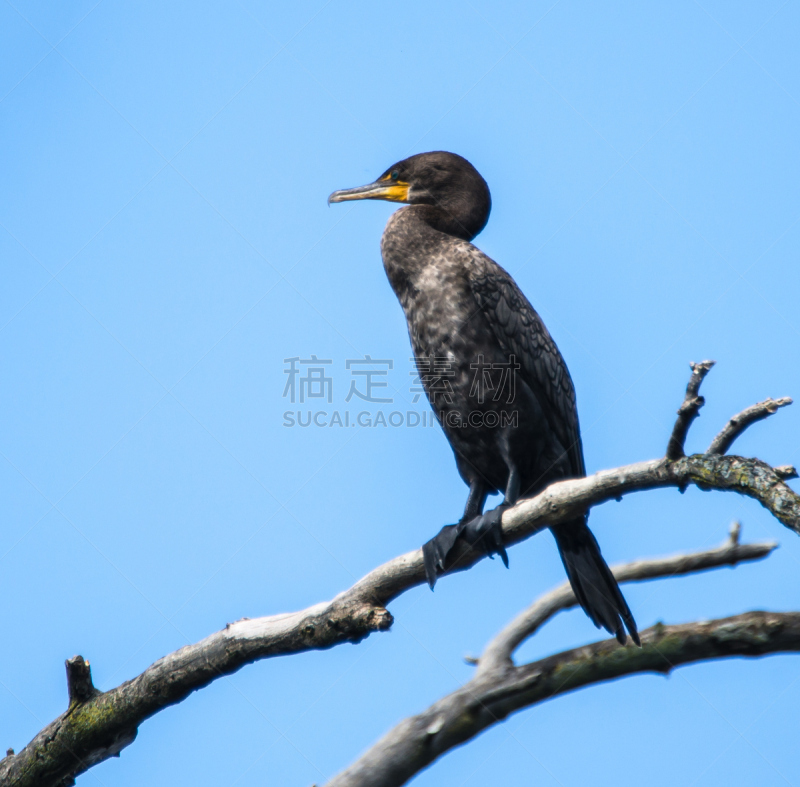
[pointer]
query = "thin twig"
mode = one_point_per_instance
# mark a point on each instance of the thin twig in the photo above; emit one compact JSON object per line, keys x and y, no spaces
{"x":688,"y":411}
{"x":724,"y":440}
{"x":498,"y":652}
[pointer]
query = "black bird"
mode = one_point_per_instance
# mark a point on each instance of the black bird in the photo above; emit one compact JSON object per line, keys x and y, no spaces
{"x":491,"y":370}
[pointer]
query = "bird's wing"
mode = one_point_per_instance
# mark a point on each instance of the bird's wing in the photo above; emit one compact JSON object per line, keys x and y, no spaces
{"x":521,"y":332}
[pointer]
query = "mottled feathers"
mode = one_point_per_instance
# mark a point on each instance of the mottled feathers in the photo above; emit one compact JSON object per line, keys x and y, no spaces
{"x":520,"y":331}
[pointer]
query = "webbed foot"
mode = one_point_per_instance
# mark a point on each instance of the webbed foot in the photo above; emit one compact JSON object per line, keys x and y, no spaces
{"x":484,"y":530}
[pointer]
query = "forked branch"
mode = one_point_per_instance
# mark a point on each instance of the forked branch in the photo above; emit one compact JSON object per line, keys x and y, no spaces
{"x":416,"y":742}
{"x":499,"y":651}
{"x":97,"y":725}
{"x":499,"y":688}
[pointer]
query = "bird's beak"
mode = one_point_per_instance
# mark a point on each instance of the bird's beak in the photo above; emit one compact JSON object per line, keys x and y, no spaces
{"x":392,"y":190}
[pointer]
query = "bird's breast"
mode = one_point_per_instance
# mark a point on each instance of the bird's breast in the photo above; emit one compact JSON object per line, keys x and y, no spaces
{"x":438,"y":304}
{"x":428,"y":272}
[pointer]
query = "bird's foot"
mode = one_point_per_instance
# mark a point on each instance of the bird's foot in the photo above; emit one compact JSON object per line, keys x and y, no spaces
{"x":435,"y":551}
{"x":484,"y":531}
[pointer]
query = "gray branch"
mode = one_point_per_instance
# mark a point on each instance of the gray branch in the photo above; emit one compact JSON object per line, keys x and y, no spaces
{"x":97,"y":725}
{"x":689,"y":409}
{"x":724,"y":440}
{"x":498,"y":652}
{"x":418,"y":741}
{"x":500,"y":688}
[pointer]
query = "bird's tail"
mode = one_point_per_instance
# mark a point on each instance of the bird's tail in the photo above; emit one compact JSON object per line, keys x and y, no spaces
{"x":592,"y":581}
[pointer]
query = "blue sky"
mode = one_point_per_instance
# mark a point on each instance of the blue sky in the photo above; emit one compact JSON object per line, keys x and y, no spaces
{"x":165,"y":244}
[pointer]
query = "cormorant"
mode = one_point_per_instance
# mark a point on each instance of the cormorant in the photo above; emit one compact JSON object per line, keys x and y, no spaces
{"x":491,"y":370}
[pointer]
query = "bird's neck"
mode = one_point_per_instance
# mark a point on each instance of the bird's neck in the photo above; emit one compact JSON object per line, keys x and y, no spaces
{"x":413,"y":236}
{"x":462,"y":216}
{"x":415,"y":239}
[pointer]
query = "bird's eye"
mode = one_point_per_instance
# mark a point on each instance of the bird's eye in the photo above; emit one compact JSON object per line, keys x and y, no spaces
{"x":395,"y":174}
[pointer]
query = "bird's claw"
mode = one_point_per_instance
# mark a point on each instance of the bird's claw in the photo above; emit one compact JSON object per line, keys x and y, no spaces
{"x":435,"y":551}
{"x":484,"y":530}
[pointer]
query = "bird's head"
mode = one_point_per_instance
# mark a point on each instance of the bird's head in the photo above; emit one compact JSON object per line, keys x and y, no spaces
{"x":443,"y":180}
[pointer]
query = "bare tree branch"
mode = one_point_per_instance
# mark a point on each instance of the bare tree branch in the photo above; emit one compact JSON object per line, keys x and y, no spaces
{"x":724,"y":440}
{"x":689,"y":410}
{"x":98,"y":725}
{"x":498,"y":652}
{"x":499,"y":687}
{"x":417,"y":741}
